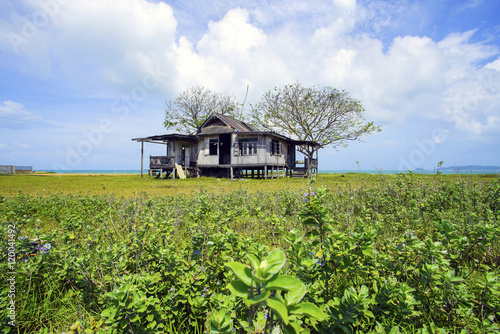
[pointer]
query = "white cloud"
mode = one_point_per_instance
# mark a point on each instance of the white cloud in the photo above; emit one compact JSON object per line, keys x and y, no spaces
{"x":17,"y":110}
{"x":349,"y":5}
{"x":119,"y":42}
{"x":494,"y":65}
{"x":94,"y":43}
{"x":232,"y":36}
{"x":414,"y":76}
{"x":226,"y":46}
{"x":115,"y":44}
{"x":472,"y":98}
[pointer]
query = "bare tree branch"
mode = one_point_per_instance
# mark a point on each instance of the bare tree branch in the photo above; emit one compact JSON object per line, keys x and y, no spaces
{"x":325,"y":115}
{"x":192,"y":107}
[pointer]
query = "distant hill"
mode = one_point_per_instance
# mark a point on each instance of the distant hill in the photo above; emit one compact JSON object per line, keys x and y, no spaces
{"x":466,"y":168}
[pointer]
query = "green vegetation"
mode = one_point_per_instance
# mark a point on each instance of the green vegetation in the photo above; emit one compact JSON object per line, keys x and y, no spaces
{"x":43,"y":184}
{"x":354,"y":254}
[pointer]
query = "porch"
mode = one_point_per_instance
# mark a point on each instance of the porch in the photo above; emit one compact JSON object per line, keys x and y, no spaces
{"x":179,"y":160}
{"x":158,"y":165}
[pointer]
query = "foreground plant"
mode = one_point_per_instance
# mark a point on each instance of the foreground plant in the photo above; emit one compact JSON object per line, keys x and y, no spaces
{"x":262,"y":288}
{"x":133,"y":307}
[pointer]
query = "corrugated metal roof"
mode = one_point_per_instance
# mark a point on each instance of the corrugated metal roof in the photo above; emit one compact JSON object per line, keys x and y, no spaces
{"x":167,"y":137}
{"x":234,"y":124}
{"x":214,"y":130}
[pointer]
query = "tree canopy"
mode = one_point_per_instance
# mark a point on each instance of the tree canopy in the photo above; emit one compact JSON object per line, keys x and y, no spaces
{"x":325,"y":115}
{"x":192,"y":107}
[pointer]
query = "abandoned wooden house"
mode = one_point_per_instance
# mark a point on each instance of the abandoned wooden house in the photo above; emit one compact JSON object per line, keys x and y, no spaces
{"x":226,"y":147}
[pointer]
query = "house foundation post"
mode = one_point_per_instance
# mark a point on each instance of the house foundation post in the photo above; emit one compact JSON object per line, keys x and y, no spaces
{"x":142,"y":157}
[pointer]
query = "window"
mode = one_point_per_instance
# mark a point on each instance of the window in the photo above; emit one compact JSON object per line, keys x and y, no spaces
{"x":247,"y":146}
{"x":275,"y":147}
{"x":213,"y":147}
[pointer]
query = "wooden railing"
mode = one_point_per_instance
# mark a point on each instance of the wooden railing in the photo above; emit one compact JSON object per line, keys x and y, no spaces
{"x":307,"y":163}
{"x":161,"y":161}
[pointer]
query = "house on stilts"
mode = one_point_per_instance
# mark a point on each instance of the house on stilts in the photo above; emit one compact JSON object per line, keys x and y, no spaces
{"x":226,"y":147}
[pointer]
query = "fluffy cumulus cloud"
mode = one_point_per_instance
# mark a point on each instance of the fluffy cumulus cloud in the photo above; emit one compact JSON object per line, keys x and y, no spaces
{"x":88,"y":41}
{"x":218,"y":58}
{"x":119,"y":45}
{"x":408,"y":76}
{"x":264,"y":45}
{"x":418,"y":76}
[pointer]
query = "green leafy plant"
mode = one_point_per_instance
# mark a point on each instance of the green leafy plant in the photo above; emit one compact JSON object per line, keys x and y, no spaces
{"x":420,"y":253}
{"x":280,"y":295}
{"x":133,"y":307}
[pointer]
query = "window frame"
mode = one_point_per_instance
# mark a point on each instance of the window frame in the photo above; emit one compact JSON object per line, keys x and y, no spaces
{"x":248,"y":146}
{"x":276,"y":147}
{"x":213,"y":143}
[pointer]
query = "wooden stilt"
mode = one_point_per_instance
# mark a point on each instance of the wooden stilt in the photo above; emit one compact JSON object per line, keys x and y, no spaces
{"x":142,"y":157}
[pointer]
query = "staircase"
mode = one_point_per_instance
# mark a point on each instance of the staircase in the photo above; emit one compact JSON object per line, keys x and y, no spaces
{"x":180,"y":172}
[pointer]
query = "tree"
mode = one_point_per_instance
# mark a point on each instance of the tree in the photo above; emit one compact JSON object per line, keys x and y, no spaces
{"x":192,"y":107}
{"x":324,"y":115}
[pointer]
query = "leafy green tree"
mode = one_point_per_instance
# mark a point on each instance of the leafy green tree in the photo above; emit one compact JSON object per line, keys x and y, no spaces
{"x":325,"y":115}
{"x":192,"y":107}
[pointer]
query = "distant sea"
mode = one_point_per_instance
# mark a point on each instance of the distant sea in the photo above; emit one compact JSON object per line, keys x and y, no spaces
{"x":343,"y":171}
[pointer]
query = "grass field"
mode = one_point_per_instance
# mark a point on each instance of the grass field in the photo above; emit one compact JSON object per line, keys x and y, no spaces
{"x":352,"y":253}
{"x":131,"y":185}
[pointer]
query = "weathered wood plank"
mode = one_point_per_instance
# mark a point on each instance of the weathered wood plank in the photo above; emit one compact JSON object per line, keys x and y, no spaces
{"x":180,"y":171}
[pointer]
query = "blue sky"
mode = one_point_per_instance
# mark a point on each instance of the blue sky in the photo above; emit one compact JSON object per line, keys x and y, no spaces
{"x":79,"y":79}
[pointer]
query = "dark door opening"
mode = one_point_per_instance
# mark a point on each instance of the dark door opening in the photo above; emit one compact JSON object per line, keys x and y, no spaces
{"x":225,"y":149}
{"x":291,"y":155}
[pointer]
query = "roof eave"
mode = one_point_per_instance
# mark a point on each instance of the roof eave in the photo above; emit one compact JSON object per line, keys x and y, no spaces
{"x":168,"y":137}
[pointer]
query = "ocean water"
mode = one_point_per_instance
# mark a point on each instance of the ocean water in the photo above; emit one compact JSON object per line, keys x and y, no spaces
{"x":96,"y":171}
{"x":461,"y":172}
{"x":342,"y":171}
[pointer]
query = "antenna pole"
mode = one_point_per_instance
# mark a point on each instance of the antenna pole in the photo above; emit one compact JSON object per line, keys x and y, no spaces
{"x":243,"y":105}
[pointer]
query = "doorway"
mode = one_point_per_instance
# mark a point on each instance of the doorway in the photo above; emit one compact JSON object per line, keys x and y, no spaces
{"x":225,"y":149}
{"x":185,"y":155}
